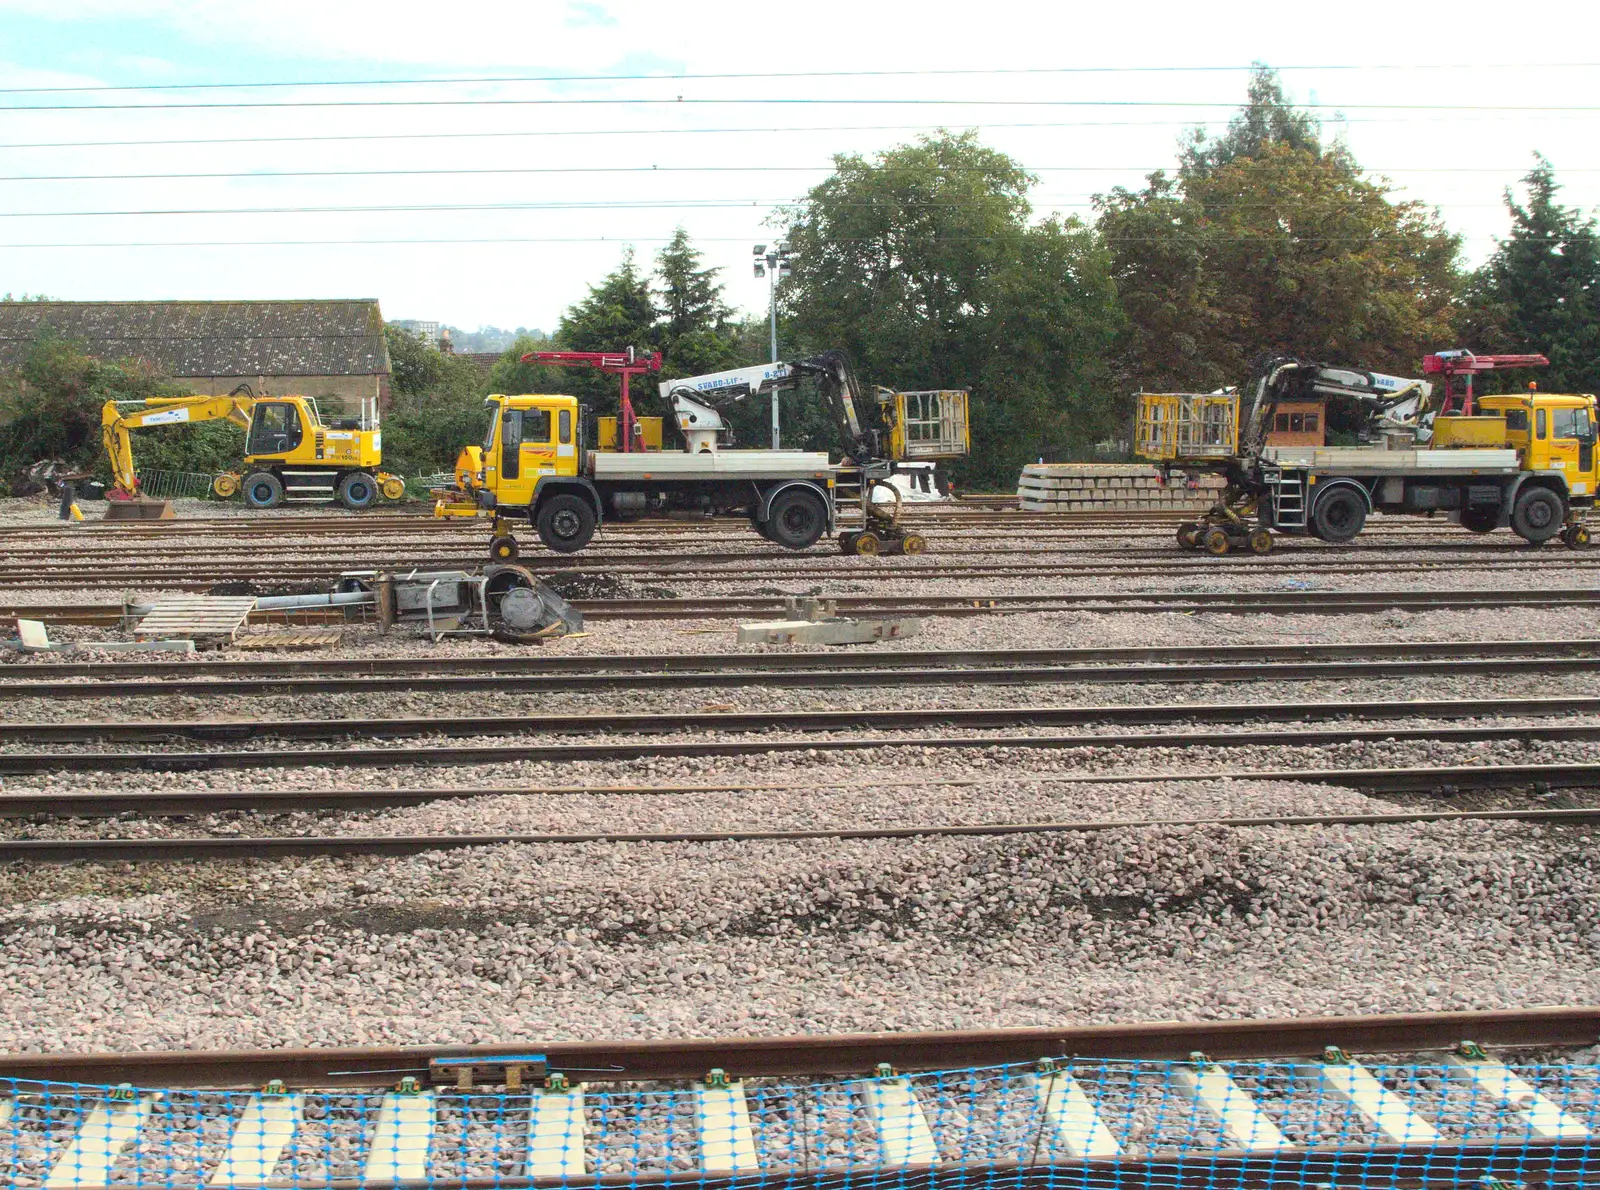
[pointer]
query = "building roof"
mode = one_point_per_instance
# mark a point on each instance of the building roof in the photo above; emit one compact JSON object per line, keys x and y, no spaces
{"x":301,"y":338}
{"x":484,"y":361}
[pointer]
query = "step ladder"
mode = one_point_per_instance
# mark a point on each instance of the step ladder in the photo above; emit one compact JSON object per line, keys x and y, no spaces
{"x":307,"y":487}
{"x":849,"y":498}
{"x":1288,"y":497}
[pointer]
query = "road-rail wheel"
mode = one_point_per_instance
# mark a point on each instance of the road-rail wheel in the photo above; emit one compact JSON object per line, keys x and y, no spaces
{"x":263,"y":490}
{"x":1538,"y":515}
{"x":868,"y":544}
{"x":504,"y":549}
{"x":1189,"y":534}
{"x":914,"y":543}
{"x":1260,"y":541}
{"x":392,"y":486}
{"x":1576,"y":536}
{"x":565,"y":522}
{"x":1216,"y":542}
{"x":847,"y":541}
{"x":226,"y":485}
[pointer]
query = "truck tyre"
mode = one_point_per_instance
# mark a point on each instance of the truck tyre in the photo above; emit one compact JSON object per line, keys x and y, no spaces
{"x":263,"y":489}
{"x":797,"y":519}
{"x":565,"y":523}
{"x":358,"y":490}
{"x":1538,"y":515}
{"x":1480,"y":520}
{"x":1339,"y":514}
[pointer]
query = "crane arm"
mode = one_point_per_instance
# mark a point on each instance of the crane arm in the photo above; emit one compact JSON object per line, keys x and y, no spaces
{"x":692,"y":396}
{"x":1285,"y":378}
{"x":115,"y":422}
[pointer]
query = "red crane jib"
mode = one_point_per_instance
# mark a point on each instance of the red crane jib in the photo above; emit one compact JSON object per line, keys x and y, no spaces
{"x":618,"y":363}
{"x":1455,"y":365}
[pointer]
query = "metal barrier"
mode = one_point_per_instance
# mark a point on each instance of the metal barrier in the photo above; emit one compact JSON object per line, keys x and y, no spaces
{"x":171,"y":485}
{"x":1467,"y":1120}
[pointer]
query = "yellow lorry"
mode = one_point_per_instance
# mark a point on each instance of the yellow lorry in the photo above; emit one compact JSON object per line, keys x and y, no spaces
{"x":1522,"y":460}
{"x":291,"y":454}
{"x":535,"y":466}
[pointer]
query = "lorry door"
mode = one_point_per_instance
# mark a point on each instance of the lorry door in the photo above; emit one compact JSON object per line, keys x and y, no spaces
{"x":538,"y":443}
{"x":1566,"y":442}
{"x":274,"y":429}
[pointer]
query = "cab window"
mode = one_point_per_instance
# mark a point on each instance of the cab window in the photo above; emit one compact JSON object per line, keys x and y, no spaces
{"x":1570,"y":423}
{"x":1539,"y":431}
{"x":564,"y":421}
{"x":536,"y":426}
{"x":1517,"y":420}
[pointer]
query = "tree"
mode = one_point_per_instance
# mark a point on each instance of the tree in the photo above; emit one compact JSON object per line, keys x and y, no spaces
{"x":694,"y":331}
{"x":923,"y":265}
{"x":50,"y":409}
{"x":1540,"y":291}
{"x":619,"y":312}
{"x":436,"y":406}
{"x":1268,"y":242}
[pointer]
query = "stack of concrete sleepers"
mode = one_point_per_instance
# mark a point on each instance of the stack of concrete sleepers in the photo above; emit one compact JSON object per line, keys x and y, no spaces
{"x":1113,"y":487}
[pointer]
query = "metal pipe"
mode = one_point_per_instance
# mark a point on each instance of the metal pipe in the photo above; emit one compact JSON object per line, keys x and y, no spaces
{"x":272,"y":603}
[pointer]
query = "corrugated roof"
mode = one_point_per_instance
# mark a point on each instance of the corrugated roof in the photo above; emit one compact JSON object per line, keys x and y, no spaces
{"x":341,"y":337}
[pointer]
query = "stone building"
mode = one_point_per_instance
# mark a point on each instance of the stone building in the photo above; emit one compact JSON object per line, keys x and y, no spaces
{"x":317,"y":348}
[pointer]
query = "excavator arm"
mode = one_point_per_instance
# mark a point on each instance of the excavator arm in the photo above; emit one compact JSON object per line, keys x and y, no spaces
{"x":1285,"y":378}
{"x":115,"y":422}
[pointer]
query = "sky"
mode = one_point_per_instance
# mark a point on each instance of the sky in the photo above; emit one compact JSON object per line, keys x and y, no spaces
{"x":485,"y":162}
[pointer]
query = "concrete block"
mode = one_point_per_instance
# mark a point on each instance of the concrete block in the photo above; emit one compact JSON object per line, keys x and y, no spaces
{"x":828,"y":632}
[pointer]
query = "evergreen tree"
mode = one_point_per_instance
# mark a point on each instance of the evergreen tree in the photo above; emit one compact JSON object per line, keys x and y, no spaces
{"x":619,"y":313}
{"x":1540,"y":291}
{"x":694,"y":331}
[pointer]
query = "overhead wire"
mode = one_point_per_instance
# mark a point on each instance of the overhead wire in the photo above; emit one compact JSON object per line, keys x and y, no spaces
{"x":472,"y":80}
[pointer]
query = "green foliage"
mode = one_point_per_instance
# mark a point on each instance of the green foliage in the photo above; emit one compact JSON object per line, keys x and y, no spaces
{"x":922,"y":264}
{"x":694,"y":330}
{"x":436,"y":406}
{"x":1540,"y":291}
{"x":50,"y":409}
{"x":1268,"y":242}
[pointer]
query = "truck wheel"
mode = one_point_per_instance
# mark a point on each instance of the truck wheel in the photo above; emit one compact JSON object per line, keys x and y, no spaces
{"x":1538,"y":515}
{"x":796,"y":519}
{"x":1480,"y":520}
{"x":358,"y":490}
{"x":565,"y":523}
{"x":1339,"y":515}
{"x":263,"y":489}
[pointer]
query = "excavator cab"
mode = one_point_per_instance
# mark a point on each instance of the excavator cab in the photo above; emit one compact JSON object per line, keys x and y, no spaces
{"x":275,"y":429}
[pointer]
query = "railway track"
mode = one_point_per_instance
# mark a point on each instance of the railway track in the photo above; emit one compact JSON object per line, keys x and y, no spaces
{"x":1409,"y":1099}
{"x":1220,"y":602}
{"x":1432,"y":780}
{"x":1222,"y":731}
{"x":179,"y":849}
{"x":819,"y":671}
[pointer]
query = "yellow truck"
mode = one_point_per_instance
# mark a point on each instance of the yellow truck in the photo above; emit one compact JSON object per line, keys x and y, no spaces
{"x":1524,"y":460}
{"x":534,"y":464}
{"x":291,"y":454}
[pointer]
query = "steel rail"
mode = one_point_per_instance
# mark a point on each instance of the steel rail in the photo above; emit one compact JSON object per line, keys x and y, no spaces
{"x":783,"y":678}
{"x":1218,"y":736}
{"x":821,"y":1054}
{"x":1438,"y":780}
{"x":875,"y":659}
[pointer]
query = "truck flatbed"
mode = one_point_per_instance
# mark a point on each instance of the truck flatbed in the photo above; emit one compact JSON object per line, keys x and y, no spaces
{"x":1361,"y":460}
{"x":715,"y":464}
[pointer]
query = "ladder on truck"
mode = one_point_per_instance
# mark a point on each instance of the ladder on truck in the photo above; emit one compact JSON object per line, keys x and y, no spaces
{"x":850,"y":487}
{"x":1288,"y":492}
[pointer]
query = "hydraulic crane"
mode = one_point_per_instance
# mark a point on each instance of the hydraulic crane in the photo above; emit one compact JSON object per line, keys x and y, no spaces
{"x":1451,"y":364}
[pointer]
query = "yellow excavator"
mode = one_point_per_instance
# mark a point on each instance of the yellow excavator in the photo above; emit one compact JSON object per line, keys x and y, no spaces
{"x":291,"y":454}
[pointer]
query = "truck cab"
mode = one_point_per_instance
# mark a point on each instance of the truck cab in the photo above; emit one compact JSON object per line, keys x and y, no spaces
{"x":1552,"y":433}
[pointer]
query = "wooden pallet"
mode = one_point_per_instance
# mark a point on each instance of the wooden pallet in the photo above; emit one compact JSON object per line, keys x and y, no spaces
{"x":195,"y":617}
{"x":290,"y":638}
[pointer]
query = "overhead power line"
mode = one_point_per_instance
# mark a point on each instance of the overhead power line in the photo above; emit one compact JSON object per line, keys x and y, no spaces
{"x":470,"y":80}
{"x":259,"y":175}
{"x":761,"y":101}
{"x":746,"y":130}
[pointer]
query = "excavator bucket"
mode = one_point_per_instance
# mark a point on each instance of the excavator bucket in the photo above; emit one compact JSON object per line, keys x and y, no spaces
{"x":141,"y":508}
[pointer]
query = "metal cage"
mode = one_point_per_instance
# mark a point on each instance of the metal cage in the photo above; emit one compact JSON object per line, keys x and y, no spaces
{"x":931,"y":424}
{"x":1177,"y":426}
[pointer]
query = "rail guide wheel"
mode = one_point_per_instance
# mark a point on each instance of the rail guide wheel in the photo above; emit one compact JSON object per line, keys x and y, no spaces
{"x":1575,"y":536}
{"x":1216,"y":542}
{"x":914,"y":543}
{"x":504,"y":549}
{"x":847,"y":541}
{"x":868,"y":544}
{"x":1189,"y":534}
{"x":1260,"y":541}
